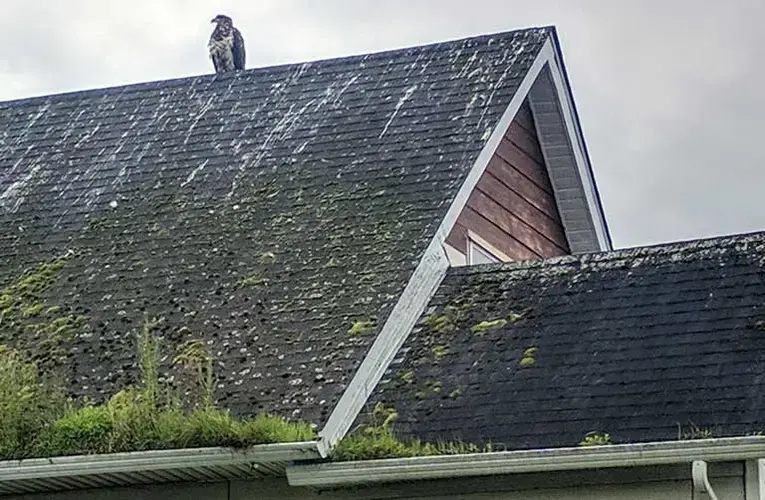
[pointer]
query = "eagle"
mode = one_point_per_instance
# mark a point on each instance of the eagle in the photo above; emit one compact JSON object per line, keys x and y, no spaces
{"x":226,"y":45}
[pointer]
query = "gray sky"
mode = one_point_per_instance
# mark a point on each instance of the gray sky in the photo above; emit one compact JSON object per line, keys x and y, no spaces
{"x":669,"y":92}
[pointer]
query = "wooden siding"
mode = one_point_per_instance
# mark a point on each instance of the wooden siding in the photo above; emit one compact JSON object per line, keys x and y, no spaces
{"x":513,"y":207}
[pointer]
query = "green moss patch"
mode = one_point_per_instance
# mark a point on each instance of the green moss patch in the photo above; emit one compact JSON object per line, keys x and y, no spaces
{"x":252,"y":281}
{"x":361,"y":327}
{"x":485,"y":326}
{"x":449,"y":319}
{"x":528,"y":358}
{"x":407,"y":376}
{"x":32,"y":324}
{"x":595,"y":439}
{"x":440,"y":351}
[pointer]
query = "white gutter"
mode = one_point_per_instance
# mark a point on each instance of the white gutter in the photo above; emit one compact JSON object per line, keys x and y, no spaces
{"x":513,"y":462}
{"x":45,"y":474}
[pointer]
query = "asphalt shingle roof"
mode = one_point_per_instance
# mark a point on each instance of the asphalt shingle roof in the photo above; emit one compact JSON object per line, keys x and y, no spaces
{"x":643,"y":344}
{"x":264,"y":211}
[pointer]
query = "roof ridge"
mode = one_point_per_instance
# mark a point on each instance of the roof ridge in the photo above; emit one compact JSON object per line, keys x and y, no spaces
{"x":169,"y":82}
{"x":695,"y":245}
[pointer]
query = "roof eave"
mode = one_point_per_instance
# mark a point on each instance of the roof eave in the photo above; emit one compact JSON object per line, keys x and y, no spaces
{"x":148,"y":467}
{"x":343,"y":474}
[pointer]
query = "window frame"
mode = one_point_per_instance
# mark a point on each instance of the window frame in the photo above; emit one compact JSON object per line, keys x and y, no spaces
{"x":478,"y":244}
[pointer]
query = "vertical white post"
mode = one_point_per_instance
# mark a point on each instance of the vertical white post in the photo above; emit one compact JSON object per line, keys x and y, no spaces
{"x":754,"y":479}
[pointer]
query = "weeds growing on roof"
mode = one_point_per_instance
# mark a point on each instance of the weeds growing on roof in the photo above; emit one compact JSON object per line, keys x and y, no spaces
{"x":37,"y":421}
{"x":378,"y":440}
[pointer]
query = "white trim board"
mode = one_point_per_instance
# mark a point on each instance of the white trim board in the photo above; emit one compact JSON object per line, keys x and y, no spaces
{"x":434,"y":264}
{"x":423,"y":284}
{"x":418,"y":292}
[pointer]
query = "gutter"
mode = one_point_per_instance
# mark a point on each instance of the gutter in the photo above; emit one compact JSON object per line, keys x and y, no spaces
{"x":340,"y":474}
{"x":147,"y":467}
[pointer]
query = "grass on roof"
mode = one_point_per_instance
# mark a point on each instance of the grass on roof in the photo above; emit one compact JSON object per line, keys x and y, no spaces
{"x":377,"y":440}
{"x":39,"y":421}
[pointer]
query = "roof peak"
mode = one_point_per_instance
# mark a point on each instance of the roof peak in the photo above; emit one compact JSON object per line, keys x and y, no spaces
{"x":194,"y":79}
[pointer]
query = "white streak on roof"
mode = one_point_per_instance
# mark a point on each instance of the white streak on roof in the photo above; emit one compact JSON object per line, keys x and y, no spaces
{"x":329,"y":92}
{"x":12,"y":198}
{"x":347,"y":85}
{"x":464,"y":71}
{"x":18,"y":162}
{"x":469,"y":106}
{"x":194,"y":173}
{"x":120,"y":179}
{"x":88,"y":135}
{"x":407,"y":94}
{"x":508,"y":62}
{"x":205,"y":108}
{"x":33,"y":120}
{"x":282,"y":130}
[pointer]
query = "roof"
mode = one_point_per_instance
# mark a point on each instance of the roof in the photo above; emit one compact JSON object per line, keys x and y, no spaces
{"x":647,"y":344}
{"x":268,"y":211}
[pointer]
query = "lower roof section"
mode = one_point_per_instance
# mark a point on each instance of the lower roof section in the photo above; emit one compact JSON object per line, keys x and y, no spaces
{"x":647,"y":344}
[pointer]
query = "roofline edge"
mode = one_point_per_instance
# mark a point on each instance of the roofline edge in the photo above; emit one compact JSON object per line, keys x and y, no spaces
{"x":569,"y":109}
{"x":210,"y":75}
{"x":341,"y":474}
{"x":423,"y":283}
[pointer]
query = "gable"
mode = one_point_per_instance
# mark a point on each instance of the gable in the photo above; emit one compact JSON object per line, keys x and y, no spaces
{"x":535,"y":197}
{"x":513,"y":207}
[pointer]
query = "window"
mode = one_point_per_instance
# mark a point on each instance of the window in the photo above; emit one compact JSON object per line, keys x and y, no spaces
{"x":478,"y":251}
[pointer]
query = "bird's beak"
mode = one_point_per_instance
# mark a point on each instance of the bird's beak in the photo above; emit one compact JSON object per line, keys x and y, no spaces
{"x":212,"y":21}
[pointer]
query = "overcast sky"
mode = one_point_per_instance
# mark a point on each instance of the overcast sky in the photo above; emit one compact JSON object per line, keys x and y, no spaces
{"x":670,"y":92}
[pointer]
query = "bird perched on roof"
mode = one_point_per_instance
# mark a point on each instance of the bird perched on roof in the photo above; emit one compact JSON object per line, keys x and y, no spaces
{"x":226,"y":45}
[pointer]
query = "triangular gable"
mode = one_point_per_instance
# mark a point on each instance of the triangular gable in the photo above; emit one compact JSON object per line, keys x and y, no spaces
{"x":512,"y":212}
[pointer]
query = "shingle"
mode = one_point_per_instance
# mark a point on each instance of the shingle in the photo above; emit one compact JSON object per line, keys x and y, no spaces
{"x":170,"y":193}
{"x":641,"y":344}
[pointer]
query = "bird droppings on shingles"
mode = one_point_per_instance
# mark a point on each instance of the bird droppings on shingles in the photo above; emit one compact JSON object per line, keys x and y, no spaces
{"x":210,"y":173}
